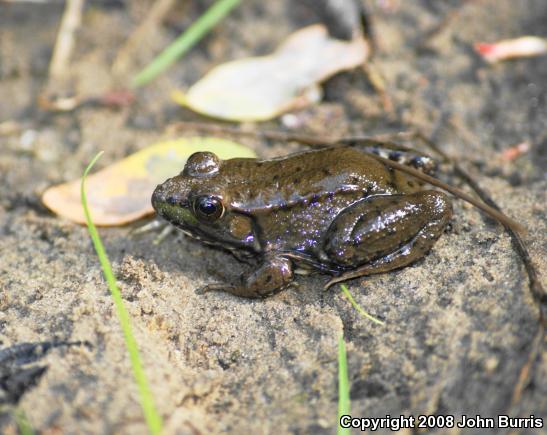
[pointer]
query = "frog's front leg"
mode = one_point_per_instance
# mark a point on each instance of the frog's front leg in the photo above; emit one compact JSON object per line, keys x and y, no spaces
{"x":273,"y":274}
{"x":383,"y":233}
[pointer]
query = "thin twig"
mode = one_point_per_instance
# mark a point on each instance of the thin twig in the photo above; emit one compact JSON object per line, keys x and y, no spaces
{"x":208,"y":127}
{"x":72,"y":18}
{"x":444,"y":23}
{"x":153,"y":19}
{"x":31,"y":1}
{"x":379,"y":84}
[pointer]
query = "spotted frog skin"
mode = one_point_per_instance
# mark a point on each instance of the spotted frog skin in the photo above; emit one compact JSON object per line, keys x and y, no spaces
{"x":335,"y":210}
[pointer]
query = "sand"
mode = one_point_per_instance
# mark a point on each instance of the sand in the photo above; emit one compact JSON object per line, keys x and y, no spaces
{"x":459,"y":324}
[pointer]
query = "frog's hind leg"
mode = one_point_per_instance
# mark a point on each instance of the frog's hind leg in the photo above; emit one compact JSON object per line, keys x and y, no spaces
{"x":384,"y":233}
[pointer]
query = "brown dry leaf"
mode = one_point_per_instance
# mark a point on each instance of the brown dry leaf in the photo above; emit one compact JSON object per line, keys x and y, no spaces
{"x":120,"y":193}
{"x":261,"y":88}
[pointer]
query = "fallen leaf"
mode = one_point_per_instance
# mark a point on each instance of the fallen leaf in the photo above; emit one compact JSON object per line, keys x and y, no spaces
{"x":261,"y":88}
{"x":120,"y":193}
{"x":525,"y":46}
{"x":515,"y":151}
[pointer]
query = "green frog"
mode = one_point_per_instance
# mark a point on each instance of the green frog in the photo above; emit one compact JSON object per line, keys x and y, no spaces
{"x":334,"y":210}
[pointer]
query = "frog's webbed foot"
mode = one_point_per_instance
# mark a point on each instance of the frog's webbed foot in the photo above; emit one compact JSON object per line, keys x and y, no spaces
{"x":274,"y":274}
{"x":214,"y":287}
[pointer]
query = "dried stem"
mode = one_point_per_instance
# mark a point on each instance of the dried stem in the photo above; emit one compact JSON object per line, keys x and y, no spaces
{"x":72,"y":18}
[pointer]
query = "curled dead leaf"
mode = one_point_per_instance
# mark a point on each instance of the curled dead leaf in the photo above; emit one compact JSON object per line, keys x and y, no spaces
{"x":261,"y":88}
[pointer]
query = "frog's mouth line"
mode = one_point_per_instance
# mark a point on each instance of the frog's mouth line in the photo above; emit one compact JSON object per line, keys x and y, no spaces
{"x":188,"y":224}
{"x":245,"y":253}
{"x":193,"y":232}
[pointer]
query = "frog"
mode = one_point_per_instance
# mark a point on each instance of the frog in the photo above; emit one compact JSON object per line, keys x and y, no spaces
{"x":335,"y":210}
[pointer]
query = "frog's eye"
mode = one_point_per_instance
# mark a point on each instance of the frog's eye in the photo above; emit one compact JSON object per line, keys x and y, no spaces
{"x":201,"y":164}
{"x":208,"y":208}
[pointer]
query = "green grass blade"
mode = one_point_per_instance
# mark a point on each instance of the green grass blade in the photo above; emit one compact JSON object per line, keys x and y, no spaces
{"x":24,"y":426}
{"x":358,"y":307}
{"x":152,"y":417}
{"x":344,"y":405}
{"x":185,"y":41}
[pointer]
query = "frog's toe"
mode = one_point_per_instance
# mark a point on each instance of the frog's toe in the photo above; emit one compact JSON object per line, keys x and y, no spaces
{"x":214,"y":287}
{"x":207,"y":288}
{"x":293,"y":284}
{"x":352,"y":274}
{"x":331,"y":282}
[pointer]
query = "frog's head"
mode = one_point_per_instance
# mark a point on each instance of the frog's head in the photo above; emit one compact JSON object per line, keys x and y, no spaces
{"x":195,"y":201}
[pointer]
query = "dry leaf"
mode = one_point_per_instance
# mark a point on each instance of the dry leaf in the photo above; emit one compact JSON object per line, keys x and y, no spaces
{"x":525,"y":46}
{"x":120,"y":193}
{"x":261,"y":88}
{"x":515,"y":151}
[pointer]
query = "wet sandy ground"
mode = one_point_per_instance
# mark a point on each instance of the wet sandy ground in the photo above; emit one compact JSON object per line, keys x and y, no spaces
{"x":459,"y":324}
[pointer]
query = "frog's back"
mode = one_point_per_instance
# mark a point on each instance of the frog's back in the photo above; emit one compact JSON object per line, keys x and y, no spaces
{"x":293,"y":200}
{"x":310,"y":176}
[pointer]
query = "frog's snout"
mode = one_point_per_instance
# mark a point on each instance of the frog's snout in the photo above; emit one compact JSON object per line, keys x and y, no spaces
{"x":164,"y":195}
{"x":170,"y":200}
{"x":158,"y":198}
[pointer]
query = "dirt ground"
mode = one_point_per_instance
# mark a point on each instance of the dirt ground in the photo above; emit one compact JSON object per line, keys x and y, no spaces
{"x":459,"y":324}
